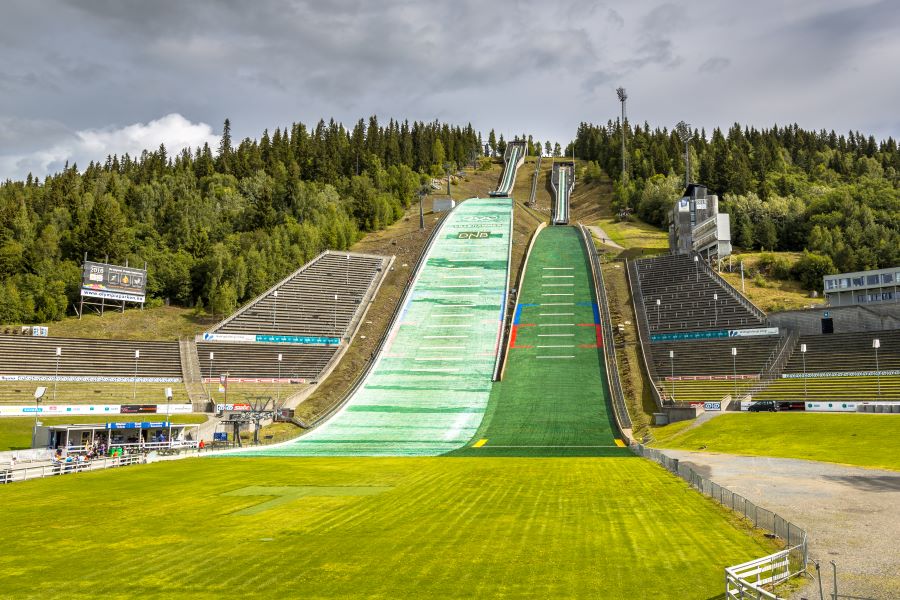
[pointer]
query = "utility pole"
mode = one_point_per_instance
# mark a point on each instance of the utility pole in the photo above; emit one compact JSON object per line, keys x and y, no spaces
{"x":623,"y":96}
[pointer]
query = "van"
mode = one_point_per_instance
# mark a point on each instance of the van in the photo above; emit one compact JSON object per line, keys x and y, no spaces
{"x":763,"y":406}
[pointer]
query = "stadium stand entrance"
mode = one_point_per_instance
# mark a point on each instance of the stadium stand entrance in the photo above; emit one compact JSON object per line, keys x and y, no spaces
{"x":428,"y":389}
{"x":554,"y":397}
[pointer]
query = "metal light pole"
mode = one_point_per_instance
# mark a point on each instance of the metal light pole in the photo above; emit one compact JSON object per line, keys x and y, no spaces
{"x":169,"y":413}
{"x":743,"y":289}
{"x":658,"y":302}
{"x":274,"y":307}
{"x":876,"y":344}
{"x":684,"y":132}
{"x":335,"y":314}
{"x":137,"y":355}
{"x":38,"y":394}
{"x":672,"y":362}
{"x":623,"y":96}
{"x":716,"y":308}
{"x":212,"y":355}
{"x":348,"y":270}
{"x":697,"y":267}
{"x":803,"y":354}
{"x":278,"y":387}
{"x":734,"y":370}
{"x":56,"y":377}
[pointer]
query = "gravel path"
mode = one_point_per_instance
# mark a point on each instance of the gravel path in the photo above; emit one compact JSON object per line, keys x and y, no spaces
{"x":852,"y":515}
{"x":604,"y":239}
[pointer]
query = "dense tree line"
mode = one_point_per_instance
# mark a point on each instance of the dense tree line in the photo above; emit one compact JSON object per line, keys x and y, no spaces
{"x":786,"y":188}
{"x":214,"y":227}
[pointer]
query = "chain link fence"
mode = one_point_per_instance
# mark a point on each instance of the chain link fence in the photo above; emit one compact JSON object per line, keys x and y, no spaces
{"x":751,"y":576}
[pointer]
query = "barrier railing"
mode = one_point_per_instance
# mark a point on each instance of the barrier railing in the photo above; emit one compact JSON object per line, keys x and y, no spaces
{"x":747,"y":580}
{"x":620,"y":410}
{"x":13,"y":474}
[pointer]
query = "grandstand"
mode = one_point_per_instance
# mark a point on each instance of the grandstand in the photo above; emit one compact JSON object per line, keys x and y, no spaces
{"x":513,"y":158}
{"x":562,"y":179}
{"x":321,"y":298}
{"x":260,"y":361}
{"x":840,"y":366}
{"x":685,"y":289}
{"x":88,"y":371}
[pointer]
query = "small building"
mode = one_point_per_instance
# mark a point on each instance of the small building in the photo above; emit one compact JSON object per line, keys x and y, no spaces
{"x":695,"y":225}
{"x":862,"y":287}
{"x":131,"y":435}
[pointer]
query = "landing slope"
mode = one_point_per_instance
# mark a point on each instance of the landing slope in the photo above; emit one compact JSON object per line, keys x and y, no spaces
{"x":553,"y":399}
{"x":429,"y":389}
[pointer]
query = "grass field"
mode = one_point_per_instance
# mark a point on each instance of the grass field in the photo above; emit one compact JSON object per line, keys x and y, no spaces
{"x":856,"y":439}
{"x":15,"y":432}
{"x":370,"y":528}
{"x":768,"y":293}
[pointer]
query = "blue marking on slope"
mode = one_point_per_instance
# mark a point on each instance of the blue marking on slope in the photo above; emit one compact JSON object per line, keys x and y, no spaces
{"x":518,"y":314}
{"x":595,"y":308}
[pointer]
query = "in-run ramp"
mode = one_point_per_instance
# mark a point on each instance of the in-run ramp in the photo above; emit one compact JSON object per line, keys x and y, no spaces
{"x":562,"y":179}
{"x":429,"y":388}
{"x":554,"y":397}
{"x":512,"y":159}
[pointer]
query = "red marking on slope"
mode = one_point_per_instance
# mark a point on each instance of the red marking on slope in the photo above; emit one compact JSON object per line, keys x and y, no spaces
{"x":512,"y":336}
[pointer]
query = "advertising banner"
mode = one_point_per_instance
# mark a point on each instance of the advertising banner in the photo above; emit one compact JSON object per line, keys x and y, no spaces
{"x":886,"y":372}
{"x":221,"y":381}
{"x":831,"y":406}
{"x":753,"y":332}
{"x":62,"y":410}
{"x":233,"y":407}
{"x":244,"y":338}
{"x":138,"y":425}
{"x":89,"y":379}
{"x":101,"y":280}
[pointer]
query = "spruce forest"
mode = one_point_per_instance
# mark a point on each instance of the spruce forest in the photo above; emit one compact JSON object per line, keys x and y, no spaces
{"x":785,"y":188}
{"x":215,"y":227}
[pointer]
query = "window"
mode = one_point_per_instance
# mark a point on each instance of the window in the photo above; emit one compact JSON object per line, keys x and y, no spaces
{"x":874,"y":297}
{"x":858,"y":281}
{"x":861,"y":298}
{"x":845,"y":283}
{"x":830,"y":284}
{"x":887,"y":296}
{"x":887,"y":277}
{"x":871,"y":279}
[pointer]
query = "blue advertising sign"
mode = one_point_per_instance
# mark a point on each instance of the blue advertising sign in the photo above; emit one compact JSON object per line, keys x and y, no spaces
{"x":687,"y":335}
{"x":138,"y":425}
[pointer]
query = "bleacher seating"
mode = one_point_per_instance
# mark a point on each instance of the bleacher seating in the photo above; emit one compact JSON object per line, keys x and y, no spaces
{"x":685,"y":291}
{"x":261,"y":360}
{"x":833,"y":389}
{"x":846,"y":352}
{"x":22,"y":355}
{"x":305,"y":304}
{"x":713,"y":356}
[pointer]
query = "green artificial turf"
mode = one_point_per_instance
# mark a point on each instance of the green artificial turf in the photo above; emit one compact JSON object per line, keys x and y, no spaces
{"x":15,"y":432}
{"x":867,"y":440}
{"x":369,"y":528}
{"x":553,"y":399}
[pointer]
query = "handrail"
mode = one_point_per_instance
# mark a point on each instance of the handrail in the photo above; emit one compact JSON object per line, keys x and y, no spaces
{"x":504,"y":303}
{"x":737,"y":295}
{"x":534,"y":179}
{"x":11,"y":475}
{"x":640,"y":315}
{"x":620,"y":409}
{"x":500,"y":367}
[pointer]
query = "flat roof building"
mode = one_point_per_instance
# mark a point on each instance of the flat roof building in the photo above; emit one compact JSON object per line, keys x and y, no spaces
{"x":863,"y":287}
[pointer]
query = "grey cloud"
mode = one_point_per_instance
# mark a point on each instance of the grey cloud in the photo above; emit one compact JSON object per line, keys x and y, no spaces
{"x":714,"y":65}
{"x":91,"y":64}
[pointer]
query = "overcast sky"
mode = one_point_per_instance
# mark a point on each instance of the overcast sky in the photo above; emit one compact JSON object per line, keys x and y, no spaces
{"x":82,"y":79}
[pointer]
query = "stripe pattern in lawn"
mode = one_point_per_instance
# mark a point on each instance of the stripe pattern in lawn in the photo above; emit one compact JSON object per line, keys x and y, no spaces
{"x":428,"y":391}
{"x":554,"y":397}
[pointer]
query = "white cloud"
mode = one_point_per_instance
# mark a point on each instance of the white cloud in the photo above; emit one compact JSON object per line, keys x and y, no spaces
{"x":81,"y":147}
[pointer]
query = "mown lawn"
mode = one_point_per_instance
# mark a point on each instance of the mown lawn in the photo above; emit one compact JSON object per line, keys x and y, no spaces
{"x":15,"y":432}
{"x":369,"y":528}
{"x":855,"y":439}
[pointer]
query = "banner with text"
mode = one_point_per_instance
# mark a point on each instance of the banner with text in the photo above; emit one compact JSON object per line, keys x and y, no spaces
{"x":62,"y":410}
{"x":243,"y":338}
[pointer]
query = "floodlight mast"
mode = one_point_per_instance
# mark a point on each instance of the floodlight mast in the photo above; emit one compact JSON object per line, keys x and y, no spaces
{"x":685,"y":134}
{"x":623,"y":96}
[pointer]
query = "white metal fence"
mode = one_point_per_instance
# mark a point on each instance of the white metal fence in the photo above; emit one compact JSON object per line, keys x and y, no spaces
{"x":13,"y":474}
{"x":747,"y":581}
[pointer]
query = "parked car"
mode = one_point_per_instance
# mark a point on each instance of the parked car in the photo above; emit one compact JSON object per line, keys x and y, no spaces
{"x":763,"y":406}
